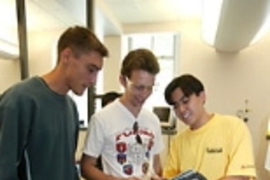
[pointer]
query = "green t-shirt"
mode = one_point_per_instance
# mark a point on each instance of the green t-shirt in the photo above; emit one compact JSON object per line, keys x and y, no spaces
{"x":38,"y":133}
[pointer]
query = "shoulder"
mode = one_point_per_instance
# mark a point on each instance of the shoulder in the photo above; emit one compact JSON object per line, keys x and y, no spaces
{"x":147,"y":114}
{"x":228,"y":120}
{"x":109,"y":111}
{"x":25,"y":86}
{"x":230,"y":125}
{"x":20,"y":91}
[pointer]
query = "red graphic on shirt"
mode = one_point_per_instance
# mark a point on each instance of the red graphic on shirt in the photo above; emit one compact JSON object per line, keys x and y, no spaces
{"x":150,"y":144}
{"x":128,"y":169}
{"x":121,"y":147}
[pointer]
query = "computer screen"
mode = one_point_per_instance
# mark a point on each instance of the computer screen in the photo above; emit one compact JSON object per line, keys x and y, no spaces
{"x":167,"y":119}
{"x":163,"y":113}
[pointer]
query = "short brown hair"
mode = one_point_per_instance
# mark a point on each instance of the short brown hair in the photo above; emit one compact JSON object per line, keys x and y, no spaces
{"x":80,"y":40}
{"x":139,"y":59}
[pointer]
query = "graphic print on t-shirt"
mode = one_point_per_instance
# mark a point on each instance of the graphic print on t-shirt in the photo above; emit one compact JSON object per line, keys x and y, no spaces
{"x":130,"y":153}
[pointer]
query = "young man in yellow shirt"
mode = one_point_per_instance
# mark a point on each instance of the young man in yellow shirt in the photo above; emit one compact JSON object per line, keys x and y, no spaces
{"x":217,"y":146}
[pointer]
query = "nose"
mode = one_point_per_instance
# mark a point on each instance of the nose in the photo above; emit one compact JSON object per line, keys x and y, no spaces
{"x":145,"y":93}
{"x":180,"y":109}
{"x":92,"y":79}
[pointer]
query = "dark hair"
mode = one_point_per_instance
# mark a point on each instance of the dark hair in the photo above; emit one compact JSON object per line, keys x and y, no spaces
{"x":109,"y":97}
{"x":140,"y":59}
{"x":188,"y":84}
{"x":80,"y":40}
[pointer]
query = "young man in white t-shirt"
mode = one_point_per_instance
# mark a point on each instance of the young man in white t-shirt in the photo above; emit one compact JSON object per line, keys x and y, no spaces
{"x":126,"y":135}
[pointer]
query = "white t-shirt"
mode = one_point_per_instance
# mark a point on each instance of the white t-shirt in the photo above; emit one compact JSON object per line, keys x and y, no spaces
{"x":111,"y":134}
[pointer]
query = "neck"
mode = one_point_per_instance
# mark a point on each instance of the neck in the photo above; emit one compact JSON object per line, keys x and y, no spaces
{"x":133,"y":109}
{"x":55,"y":81}
{"x":202,"y":121}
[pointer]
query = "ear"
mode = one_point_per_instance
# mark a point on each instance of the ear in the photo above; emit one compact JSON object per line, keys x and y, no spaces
{"x":123,"y":80}
{"x":203,"y":96}
{"x":65,"y":55}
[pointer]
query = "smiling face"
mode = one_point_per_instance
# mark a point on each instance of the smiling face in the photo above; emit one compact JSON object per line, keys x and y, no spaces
{"x":82,"y":70}
{"x":138,"y":87}
{"x":189,"y":109}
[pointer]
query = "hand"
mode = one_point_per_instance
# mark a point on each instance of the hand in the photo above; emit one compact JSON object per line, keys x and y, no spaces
{"x":158,"y":178}
{"x":132,"y":178}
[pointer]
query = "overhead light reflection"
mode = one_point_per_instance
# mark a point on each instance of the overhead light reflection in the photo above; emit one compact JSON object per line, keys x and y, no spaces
{"x":210,"y":19}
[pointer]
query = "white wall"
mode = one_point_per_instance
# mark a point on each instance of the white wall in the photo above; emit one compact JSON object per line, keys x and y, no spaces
{"x":112,"y":64}
{"x":42,"y":51}
{"x":41,"y":59}
{"x":9,"y":73}
{"x":9,"y":69}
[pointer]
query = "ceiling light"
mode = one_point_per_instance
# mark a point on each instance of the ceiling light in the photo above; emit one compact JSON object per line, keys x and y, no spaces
{"x":210,"y":20}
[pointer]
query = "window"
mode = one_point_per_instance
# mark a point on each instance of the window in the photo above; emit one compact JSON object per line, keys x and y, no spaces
{"x":164,"y":46}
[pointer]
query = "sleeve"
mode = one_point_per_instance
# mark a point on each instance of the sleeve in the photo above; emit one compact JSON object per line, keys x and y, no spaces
{"x":10,"y":147}
{"x":172,"y":164}
{"x":76,"y":119}
{"x":159,"y":145}
{"x":241,"y":155}
{"x":94,"y":139}
{"x":14,"y":131}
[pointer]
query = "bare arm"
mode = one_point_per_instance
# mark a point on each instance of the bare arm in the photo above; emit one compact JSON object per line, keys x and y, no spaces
{"x":90,"y":172}
{"x":237,"y":178}
{"x":157,"y":169}
{"x":157,"y":165}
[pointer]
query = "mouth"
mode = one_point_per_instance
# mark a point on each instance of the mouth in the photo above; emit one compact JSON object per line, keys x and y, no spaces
{"x":185,"y":116}
{"x":85,"y":86}
{"x":140,"y":101}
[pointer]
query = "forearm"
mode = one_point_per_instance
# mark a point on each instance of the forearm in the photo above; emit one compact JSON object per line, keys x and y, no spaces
{"x":157,"y":165}
{"x":89,"y":171}
{"x":236,"y":178}
{"x":96,"y":174}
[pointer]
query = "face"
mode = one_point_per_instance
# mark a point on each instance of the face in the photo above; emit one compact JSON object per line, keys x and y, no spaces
{"x":82,"y":71}
{"x":138,"y":87}
{"x":188,"y":109}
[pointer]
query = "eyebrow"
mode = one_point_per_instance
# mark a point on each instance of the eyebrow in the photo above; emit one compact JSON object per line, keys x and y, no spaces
{"x":94,"y":66}
{"x":180,"y":99}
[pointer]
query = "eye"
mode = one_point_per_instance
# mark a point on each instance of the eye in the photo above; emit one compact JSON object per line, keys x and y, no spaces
{"x":185,"y":100}
{"x":175,"y":105}
{"x":140,"y":88}
{"x":92,"y":70}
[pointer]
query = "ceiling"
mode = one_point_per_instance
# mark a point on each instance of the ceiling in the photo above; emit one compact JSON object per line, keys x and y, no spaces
{"x":51,"y":14}
{"x":238,"y":23}
{"x":154,"y":11}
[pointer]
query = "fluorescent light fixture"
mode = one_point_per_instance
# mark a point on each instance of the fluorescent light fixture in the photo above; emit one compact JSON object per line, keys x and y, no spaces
{"x":8,"y":50}
{"x":264,"y":29}
{"x":210,"y":19}
{"x":188,"y":8}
